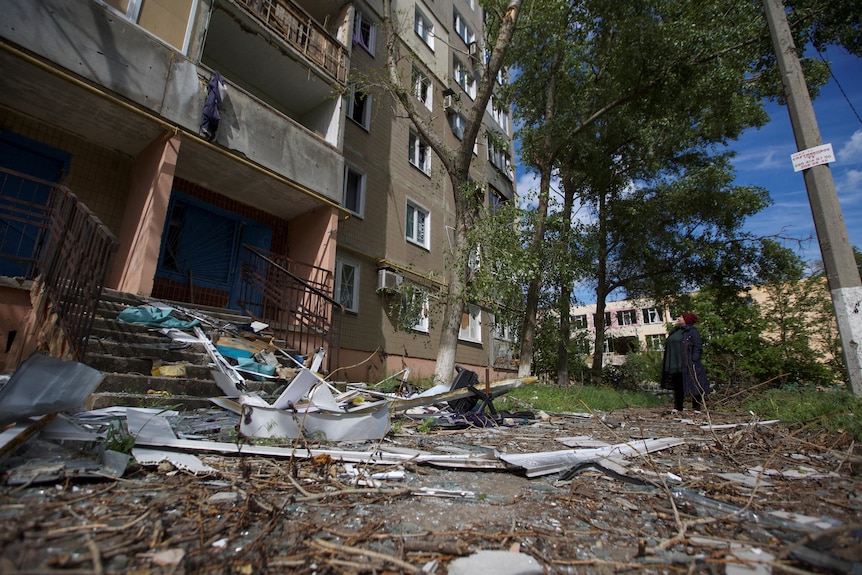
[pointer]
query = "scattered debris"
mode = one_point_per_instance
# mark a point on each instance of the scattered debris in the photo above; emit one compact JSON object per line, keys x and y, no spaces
{"x":436,"y":482}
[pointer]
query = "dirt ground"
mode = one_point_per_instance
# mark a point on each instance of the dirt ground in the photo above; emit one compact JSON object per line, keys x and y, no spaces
{"x":699,"y":507}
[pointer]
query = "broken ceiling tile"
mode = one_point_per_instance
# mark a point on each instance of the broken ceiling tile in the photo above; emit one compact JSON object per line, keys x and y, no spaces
{"x":183,"y":461}
{"x":43,"y":385}
{"x":497,"y":562}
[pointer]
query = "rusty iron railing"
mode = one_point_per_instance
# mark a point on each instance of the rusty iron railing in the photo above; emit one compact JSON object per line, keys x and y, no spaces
{"x":47,"y":234}
{"x":293,"y":298}
{"x":300,"y":31}
{"x":73,"y":265}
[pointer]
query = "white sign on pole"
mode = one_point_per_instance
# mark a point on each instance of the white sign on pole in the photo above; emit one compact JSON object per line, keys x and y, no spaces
{"x":812,"y":157}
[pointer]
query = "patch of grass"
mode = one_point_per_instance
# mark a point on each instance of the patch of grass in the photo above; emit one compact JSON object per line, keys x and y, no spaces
{"x":556,"y":399}
{"x":426,"y":426}
{"x":833,"y":410}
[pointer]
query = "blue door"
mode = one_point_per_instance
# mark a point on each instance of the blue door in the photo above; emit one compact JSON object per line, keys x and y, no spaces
{"x":200,"y":244}
{"x":24,"y":199}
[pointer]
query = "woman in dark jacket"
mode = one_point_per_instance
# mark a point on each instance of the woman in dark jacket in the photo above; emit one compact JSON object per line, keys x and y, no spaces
{"x":682,"y":370}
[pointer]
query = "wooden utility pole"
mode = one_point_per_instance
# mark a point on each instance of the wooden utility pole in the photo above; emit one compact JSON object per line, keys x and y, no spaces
{"x":835,"y":248}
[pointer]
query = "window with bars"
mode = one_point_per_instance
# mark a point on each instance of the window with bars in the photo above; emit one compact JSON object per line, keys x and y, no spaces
{"x":347,"y":284}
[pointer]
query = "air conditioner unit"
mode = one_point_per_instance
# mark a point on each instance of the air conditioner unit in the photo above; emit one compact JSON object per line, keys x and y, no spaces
{"x":449,"y":103}
{"x":388,"y":279}
{"x":473,"y":49}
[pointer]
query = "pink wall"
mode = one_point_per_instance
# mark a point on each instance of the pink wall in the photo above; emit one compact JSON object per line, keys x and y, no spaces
{"x":140,"y":235}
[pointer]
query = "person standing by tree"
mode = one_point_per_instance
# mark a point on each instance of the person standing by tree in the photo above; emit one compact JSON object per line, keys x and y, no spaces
{"x":682,"y":370}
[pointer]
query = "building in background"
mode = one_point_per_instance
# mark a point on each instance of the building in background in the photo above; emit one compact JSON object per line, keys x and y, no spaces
{"x":395,"y":244}
{"x":630,"y":325}
{"x":298,"y":204}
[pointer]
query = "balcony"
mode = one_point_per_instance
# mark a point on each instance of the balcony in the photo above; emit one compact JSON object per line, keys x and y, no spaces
{"x":279,"y":54}
{"x":298,"y":29}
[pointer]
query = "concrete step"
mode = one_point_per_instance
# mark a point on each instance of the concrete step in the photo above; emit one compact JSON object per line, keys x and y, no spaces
{"x":143,"y":382}
{"x":196,"y":366}
{"x":180,"y":402}
{"x":125,"y":353}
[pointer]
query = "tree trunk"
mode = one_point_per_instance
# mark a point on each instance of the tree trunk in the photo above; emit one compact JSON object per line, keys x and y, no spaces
{"x":528,"y":330}
{"x":567,"y":284}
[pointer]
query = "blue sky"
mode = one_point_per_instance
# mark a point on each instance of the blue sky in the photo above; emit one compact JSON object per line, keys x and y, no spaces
{"x":763,"y":159}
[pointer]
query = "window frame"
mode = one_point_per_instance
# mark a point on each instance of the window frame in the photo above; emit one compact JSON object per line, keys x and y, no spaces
{"x":423,"y":27}
{"x":627,"y":317}
{"x":424,"y":324}
{"x":360,"y":192}
{"x":340,"y":264}
{"x":365,"y":121}
{"x":422,"y":83}
{"x":473,"y":332}
{"x":648,"y":312}
{"x":458,"y":123}
{"x":370,"y":45}
{"x":654,"y":341}
{"x":412,"y":225}
{"x":461,"y":28}
{"x":416,"y":147}
{"x":464,"y":77}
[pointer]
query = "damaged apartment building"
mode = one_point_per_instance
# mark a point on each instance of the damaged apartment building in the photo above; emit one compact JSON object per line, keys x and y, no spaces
{"x":225,"y":149}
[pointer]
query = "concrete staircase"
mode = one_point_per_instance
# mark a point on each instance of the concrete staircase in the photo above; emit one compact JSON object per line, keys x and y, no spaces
{"x":126,"y":353}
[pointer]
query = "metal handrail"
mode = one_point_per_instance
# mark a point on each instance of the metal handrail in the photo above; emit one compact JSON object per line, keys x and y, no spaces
{"x":298,"y":310}
{"x":62,"y":245}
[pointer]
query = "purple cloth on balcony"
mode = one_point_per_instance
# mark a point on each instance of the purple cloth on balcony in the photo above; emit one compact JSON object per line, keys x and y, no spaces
{"x":211,"y":116}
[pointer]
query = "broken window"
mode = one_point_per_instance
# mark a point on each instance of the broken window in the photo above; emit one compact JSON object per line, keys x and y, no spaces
{"x":359,"y":108}
{"x":422,"y":87}
{"x":653,"y":315}
{"x":471,"y":324}
{"x":419,"y":154}
{"x":364,"y":32}
{"x":416,"y":225}
{"x":627,"y":317}
{"x":579,"y":322}
{"x":354,"y":191}
{"x":166,"y":19}
{"x":424,"y":28}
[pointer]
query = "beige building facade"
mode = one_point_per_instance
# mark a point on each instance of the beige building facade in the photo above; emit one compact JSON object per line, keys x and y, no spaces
{"x":106,"y":97}
{"x":636,"y":324}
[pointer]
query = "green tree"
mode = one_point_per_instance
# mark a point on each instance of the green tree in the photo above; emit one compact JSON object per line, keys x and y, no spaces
{"x":791,"y":321}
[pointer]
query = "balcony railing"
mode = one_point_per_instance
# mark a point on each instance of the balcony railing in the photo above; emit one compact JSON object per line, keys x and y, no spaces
{"x":299,"y":30}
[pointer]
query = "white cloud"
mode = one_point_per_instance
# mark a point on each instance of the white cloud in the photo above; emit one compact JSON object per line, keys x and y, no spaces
{"x":851,"y":152}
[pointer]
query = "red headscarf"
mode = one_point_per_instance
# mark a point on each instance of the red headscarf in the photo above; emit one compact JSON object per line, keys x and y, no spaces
{"x":689,"y":318}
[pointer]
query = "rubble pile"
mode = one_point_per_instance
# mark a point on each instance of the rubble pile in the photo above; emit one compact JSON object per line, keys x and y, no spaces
{"x":303,"y":476}
{"x":728,"y":493}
